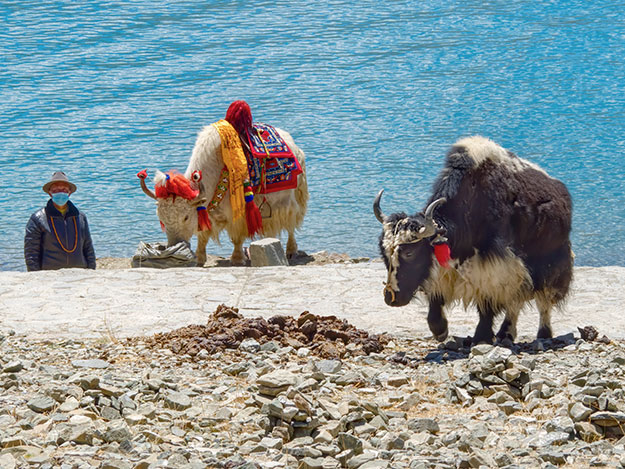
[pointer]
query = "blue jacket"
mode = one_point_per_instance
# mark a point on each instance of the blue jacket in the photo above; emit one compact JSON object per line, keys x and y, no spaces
{"x":54,"y":241}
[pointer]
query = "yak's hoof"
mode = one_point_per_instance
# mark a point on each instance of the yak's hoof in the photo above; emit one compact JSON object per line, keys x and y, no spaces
{"x":544,"y":333}
{"x":438,"y":327}
{"x":506,"y":333}
{"x":504,"y":338}
{"x":482,"y":339}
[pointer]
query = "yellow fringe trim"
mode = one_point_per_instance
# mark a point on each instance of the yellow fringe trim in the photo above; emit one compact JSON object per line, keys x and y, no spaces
{"x":234,"y":159}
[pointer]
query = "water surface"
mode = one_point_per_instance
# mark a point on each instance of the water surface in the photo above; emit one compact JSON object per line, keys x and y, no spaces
{"x":374,"y":93}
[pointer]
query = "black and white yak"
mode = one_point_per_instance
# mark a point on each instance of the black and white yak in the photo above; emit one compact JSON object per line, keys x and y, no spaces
{"x":495,"y":234}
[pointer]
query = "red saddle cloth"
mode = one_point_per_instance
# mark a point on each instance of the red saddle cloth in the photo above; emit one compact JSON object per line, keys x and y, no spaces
{"x":269,"y":155}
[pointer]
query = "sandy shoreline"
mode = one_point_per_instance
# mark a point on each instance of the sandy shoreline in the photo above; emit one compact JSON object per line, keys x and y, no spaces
{"x":127,"y":302}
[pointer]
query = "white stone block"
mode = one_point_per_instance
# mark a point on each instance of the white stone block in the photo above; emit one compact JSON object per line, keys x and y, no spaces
{"x":267,"y":252}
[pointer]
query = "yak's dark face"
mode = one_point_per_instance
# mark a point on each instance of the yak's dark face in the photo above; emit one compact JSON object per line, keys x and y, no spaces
{"x":407,"y":255}
{"x":406,"y":246}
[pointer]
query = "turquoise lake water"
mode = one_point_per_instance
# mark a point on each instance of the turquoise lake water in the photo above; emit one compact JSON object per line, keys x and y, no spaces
{"x":373,"y":92}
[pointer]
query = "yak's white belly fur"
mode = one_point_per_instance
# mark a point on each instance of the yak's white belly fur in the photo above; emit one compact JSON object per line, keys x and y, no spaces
{"x":498,"y":282}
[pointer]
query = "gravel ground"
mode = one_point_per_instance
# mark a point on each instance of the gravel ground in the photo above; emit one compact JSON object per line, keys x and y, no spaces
{"x":258,"y":403}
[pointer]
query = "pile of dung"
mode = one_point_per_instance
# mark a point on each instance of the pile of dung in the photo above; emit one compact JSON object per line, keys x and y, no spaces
{"x":325,"y":336}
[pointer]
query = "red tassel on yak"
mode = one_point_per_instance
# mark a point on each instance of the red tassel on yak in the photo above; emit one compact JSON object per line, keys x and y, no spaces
{"x":239,"y":115}
{"x":253,"y":217}
{"x":203,"y":222}
{"x":443,"y":254}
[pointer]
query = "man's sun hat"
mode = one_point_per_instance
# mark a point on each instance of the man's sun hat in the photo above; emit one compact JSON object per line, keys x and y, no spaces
{"x":59,"y":176}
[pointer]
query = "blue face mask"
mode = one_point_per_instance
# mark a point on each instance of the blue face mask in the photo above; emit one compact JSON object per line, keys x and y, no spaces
{"x":60,"y":198}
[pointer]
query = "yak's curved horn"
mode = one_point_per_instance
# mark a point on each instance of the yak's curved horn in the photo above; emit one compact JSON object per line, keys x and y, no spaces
{"x":142,"y":175}
{"x":429,"y":212}
{"x":429,"y":228}
{"x":430,"y":225}
{"x":376,"y":208}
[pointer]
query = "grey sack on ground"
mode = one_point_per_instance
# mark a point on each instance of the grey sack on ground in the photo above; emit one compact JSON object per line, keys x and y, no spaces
{"x":159,"y":256}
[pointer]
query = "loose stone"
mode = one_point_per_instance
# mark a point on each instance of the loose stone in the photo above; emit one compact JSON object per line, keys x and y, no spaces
{"x":92,"y":363}
{"x":41,"y":404}
{"x":274,"y":406}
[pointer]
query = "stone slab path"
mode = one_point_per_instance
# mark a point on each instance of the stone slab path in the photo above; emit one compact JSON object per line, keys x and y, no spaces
{"x":76,"y":303}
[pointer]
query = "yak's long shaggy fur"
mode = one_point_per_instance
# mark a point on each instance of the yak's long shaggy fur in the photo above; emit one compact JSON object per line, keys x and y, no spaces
{"x":507,"y":223}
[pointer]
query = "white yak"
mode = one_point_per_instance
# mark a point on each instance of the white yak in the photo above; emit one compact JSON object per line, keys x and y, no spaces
{"x":284,"y":210}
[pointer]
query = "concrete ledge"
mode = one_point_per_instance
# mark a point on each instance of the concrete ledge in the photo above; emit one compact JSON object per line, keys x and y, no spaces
{"x":120,"y":303}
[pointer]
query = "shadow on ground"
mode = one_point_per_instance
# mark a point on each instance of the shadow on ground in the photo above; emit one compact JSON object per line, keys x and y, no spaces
{"x":458,"y":348}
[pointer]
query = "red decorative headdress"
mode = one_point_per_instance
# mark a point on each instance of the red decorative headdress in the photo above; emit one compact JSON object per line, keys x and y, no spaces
{"x":239,"y":115}
{"x":174,"y":183}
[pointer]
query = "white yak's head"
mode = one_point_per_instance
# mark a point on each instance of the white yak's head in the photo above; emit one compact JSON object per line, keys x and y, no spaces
{"x":180,"y":208}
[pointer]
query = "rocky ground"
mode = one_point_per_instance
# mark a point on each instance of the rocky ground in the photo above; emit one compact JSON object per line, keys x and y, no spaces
{"x":309,"y":392}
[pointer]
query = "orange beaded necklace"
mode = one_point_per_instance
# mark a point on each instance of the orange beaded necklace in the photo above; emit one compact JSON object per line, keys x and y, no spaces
{"x":75,"y":236}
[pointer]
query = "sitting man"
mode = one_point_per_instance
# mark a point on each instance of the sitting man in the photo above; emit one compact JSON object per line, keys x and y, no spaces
{"x":57,"y":236}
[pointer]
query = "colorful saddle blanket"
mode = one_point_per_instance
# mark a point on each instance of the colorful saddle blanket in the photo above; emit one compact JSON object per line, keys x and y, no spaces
{"x":271,"y":159}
